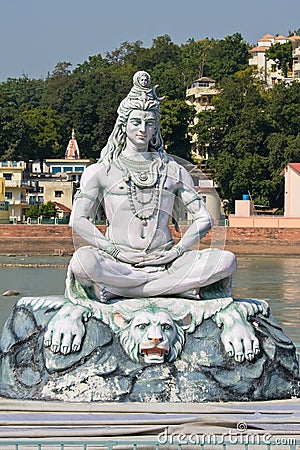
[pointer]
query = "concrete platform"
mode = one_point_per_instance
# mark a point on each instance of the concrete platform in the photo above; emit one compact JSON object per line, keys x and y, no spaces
{"x":275,"y":422}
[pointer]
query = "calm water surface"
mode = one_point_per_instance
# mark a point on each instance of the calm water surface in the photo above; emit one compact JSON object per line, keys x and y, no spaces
{"x":271,"y":278}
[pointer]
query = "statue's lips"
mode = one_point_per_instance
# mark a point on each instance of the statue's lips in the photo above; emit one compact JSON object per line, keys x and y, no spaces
{"x":154,"y":352}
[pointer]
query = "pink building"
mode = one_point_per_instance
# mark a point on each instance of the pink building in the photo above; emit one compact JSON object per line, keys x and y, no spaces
{"x":292,"y":189}
{"x":245,"y":215}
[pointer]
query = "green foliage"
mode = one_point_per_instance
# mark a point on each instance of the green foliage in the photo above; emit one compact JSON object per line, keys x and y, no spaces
{"x":174,"y":116}
{"x":47,"y":209}
{"x":251,"y":136}
{"x":226,"y":56}
{"x":282,"y":54}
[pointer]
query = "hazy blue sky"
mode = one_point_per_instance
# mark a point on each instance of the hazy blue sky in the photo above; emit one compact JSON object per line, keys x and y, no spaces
{"x":37,"y":34}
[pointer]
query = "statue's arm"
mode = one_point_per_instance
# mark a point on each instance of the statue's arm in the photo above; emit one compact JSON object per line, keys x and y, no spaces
{"x":202,"y":222}
{"x":201,"y":218}
{"x":86,"y":204}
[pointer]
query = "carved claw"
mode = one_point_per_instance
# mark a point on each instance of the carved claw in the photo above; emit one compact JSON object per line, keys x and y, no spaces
{"x":239,"y":357}
{"x":65,"y":350}
{"x":250,"y":356}
{"x":54,"y":348}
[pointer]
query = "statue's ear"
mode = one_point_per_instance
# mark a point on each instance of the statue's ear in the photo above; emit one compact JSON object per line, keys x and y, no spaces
{"x":185,"y":322}
{"x":120,"y":320}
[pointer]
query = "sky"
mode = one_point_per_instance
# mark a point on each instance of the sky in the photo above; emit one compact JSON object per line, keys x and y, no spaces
{"x":37,"y":34}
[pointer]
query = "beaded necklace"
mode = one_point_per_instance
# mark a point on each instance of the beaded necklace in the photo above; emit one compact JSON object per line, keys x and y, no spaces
{"x":143,"y":180}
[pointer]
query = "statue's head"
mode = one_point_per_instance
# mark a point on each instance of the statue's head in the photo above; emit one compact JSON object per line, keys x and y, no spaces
{"x":140,"y":98}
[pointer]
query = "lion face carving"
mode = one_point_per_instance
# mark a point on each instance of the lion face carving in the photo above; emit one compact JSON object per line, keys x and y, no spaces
{"x":151,"y":336}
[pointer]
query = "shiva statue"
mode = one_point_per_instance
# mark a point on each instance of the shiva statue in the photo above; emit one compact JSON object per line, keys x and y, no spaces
{"x":139,"y":186}
{"x":141,"y":189}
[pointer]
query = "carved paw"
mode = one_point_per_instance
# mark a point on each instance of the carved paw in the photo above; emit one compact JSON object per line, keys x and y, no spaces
{"x":65,"y":331}
{"x":240,"y":341}
{"x":238,"y":335}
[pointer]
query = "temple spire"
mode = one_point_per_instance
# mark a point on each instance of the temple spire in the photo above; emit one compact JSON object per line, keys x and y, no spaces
{"x":72,"y":151}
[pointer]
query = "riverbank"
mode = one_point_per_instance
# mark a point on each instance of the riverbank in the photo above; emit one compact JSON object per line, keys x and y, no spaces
{"x":58,"y":240}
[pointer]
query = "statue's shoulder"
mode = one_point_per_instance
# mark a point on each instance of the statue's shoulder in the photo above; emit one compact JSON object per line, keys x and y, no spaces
{"x":174,"y":168}
{"x":92,"y":175}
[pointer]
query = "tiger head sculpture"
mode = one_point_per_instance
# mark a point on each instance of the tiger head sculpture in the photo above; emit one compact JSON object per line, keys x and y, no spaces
{"x":151,"y":336}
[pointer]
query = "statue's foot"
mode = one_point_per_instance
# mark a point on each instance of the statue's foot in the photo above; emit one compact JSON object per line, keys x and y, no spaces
{"x":103,"y":294}
{"x":191,"y":294}
{"x":65,"y":331}
{"x":219,"y":289}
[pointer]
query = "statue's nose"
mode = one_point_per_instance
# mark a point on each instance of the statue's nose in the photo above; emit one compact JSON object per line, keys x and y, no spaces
{"x":155,"y":335}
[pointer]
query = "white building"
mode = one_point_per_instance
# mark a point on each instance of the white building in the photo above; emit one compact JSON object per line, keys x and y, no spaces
{"x":200,"y":96}
{"x":296,"y":56}
{"x":267,"y":70}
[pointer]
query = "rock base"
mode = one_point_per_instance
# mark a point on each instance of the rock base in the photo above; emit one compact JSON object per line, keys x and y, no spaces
{"x":102,"y":372}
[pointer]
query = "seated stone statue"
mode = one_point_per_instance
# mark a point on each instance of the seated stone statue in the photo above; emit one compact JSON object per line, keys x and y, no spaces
{"x":140,"y":188}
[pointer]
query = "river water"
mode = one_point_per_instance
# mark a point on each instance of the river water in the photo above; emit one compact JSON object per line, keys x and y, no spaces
{"x":276,"y":279}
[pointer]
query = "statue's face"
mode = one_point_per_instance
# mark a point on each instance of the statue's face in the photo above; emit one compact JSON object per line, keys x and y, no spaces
{"x":143,"y":80}
{"x":141,"y":127}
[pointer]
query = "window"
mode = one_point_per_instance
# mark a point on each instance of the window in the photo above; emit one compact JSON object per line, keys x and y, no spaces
{"x":68,"y":169}
{"x":7,"y":176}
{"x":8,"y":195}
{"x":56,"y":169}
{"x":58,"y":193}
{"x":79,"y":169}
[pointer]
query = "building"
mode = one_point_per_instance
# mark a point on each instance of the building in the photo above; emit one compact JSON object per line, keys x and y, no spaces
{"x":13,"y":190}
{"x":296,"y":56}
{"x":23,"y":185}
{"x":291,"y":175}
{"x":70,"y":167}
{"x":200,"y":96}
{"x":56,"y":179}
{"x":267,"y":70}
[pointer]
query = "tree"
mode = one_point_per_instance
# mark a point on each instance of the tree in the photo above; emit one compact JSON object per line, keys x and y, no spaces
{"x":234,"y":134}
{"x":41,"y":135}
{"x":193,"y":55}
{"x":282,"y":54}
{"x":125,"y":53}
{"x":176,"y":115}
{"x":47,"y":209}
{"x":226,"y":56}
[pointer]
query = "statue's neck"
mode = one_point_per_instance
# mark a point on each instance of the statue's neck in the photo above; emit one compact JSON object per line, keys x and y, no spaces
{"x":136,"y":154}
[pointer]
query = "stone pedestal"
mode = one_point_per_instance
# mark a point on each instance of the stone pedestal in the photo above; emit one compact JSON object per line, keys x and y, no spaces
{"x":102,"y":372}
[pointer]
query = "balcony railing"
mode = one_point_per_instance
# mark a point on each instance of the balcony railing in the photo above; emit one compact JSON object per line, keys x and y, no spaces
{"x":297,"y":66}
{"x":296,"y":51}
{"x":13,"y":183}
{"x":12,"y":164}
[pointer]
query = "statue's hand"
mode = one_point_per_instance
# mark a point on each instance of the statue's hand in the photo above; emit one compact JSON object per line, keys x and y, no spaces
{"x":168,"y":256}
{"x":66,"y":330}
{"x":137,"y":259}
{"x":238,"y":334}
{"x":240,"y":341}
